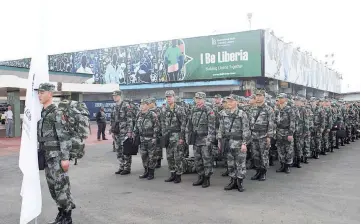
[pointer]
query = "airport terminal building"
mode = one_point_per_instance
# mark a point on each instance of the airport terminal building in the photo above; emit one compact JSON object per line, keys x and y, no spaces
{"x":218,"y":64}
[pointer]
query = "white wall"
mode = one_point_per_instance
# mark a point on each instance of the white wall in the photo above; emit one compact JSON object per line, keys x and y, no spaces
{"x":350,"y":97}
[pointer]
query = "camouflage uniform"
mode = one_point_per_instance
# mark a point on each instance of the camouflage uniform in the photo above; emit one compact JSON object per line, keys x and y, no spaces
{"x":173,"y":125}
{"x":318,"y":127}
{"x":285,"y":119}
{"x":122,"y":122}
{"x":326,"y":132}
{"x":158,"y":150}
{"x":202,"y":121}
{"x":217,"y":108}
{"x":262,"y":128}
{"x":147,"y":128}
{"x":235,"y":127}
{"x":302,"y":135}
{"x":54,"y":139}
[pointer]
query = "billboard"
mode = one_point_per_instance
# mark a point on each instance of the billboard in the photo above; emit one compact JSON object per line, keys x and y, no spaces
{"x":221,"y":56}
{"x":286,"y":63}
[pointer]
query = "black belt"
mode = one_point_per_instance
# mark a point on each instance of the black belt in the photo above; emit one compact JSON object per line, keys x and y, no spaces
{"x":46,"y":139}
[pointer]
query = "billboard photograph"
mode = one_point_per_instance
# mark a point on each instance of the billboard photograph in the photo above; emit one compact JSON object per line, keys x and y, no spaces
{"x":221,"y":56}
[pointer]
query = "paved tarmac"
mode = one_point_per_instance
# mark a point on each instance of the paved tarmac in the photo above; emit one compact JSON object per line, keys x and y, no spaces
{"x":325,"y":191}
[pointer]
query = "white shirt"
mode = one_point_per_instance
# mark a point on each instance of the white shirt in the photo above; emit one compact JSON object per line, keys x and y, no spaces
{"x":9,"y":115}
{"x":85,"y":70}
{"x":113,"y":74}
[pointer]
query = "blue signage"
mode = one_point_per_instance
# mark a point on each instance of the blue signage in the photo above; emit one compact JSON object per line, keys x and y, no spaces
{"x":94,"y":107}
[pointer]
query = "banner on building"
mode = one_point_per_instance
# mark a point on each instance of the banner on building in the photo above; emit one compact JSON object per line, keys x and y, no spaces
{"x":221,"y":56}
{"x":286,"y":63}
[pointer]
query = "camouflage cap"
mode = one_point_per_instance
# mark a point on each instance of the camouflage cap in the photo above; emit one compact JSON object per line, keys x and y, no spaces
{"x":177,"y":99}
{"x":218,"y":96}
{"x":260,"y":92}
{"x":253,"y":96}
{"x":46,"y":87}
{"x":146,"y":100}
{"x":232,"y":97}
{"x":117,"y":93}
{"x":169,"y":93}
{"x":297,"y":98}
{"x":153,"y":99}
{"x":282,"y":95}
{"x":200,"y":95}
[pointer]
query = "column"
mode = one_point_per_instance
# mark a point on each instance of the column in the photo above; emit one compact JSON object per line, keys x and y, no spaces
{"x":13,"y":99}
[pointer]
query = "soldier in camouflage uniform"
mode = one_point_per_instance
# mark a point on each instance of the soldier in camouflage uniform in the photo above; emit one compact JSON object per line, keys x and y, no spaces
{"x":54,"y":139}
{"x":202,"y":121}
{"x":122,"y":123}
{"x":326,"y":145}
{"x":262,"y":131}
{"x":234,"y":128}
{"x":318,"y":117}
{"x":302,"y":131}
{"x":158,"y":151}
{"x":147,"y":127}
{"x":217,"y":108}
{"x":285,"y":120}
{"x":173,"y":121}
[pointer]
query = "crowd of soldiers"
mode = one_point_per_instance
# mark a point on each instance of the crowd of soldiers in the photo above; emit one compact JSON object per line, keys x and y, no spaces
{"x":234,"y":130}
{"x":242,"y":132}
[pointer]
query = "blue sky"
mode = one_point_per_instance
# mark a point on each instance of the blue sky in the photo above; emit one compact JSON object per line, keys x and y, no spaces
{"x":317,"y":26}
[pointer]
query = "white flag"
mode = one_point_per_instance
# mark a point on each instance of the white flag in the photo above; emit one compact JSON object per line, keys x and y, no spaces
{"x":28,"y":158}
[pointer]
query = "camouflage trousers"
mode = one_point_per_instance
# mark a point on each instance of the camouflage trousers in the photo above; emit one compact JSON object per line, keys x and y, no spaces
{"x":125,"y":161}
{"x":203,"y":158}
{"x":285,"y":150}
{"x":158,"y":152}
{"x":58,"y":182}
{"x":333,"y":139}
{"x":175,"y":157}
{"x":260,"y":151}
{"x":325,"y":141}
{"x":147,"y":152}
{"x":316,"y":141}
{"x":236,"y":161}
{"x":299,"y":144}
{"x":273,"y":149}
{"x":307,"y":145}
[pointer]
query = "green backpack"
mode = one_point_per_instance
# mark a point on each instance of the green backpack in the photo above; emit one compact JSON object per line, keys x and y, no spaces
{"x":76,"y":115}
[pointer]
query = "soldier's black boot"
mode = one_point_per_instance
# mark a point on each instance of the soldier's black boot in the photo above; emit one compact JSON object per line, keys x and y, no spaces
{"x":67,"y":218}
{"x":323,"y":152}
{"x":287,"y":168}
{"x":331,"y":148}
{"x":145,"y":174}
{"x":298,"y":163}
{"x":256,"y":176}
{"x":231,"y":185}
{"x":262,"y":176}
{"x":150,"y":174}
{"x":199,"y":181}
{"x":58,"y":217}
{"x":271,"y":161}
{"x":171,"y":178}
{"x":76,"y":161}
{"x":178,"y":179}
{"x":294,"y":164}
{"x":281,"y":169}
{"x":125,"y":172}
{"x":159,"y":163}
{"x":225,"y":173}
{"x":317,"y":155}
{"x":240,"y":185}
{"x":305,"y":160}
{"x":206,"y":182}
{"x":119,"y":171}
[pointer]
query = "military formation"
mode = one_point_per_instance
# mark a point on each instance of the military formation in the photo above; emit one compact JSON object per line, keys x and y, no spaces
{"x":240,"y":132}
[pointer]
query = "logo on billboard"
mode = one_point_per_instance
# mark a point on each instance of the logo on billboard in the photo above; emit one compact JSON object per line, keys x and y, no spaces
{"x":214,"y":41}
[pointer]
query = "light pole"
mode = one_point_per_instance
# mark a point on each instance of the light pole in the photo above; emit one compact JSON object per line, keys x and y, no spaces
{"x":249,"y":16}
